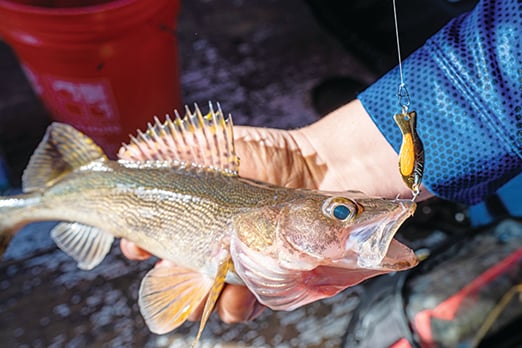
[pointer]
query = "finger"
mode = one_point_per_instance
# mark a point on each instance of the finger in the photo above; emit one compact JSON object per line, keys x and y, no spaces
{"x":132,"y":251}
{"x":237,"y":304}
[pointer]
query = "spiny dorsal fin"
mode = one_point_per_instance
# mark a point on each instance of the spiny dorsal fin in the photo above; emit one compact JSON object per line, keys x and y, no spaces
{"x":62,"y":150}
{"x":200,"y":140}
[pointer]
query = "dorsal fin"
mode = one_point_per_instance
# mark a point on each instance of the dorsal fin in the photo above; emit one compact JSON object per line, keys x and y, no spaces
{"x":196,"y":139}
{"x":62,"y":150}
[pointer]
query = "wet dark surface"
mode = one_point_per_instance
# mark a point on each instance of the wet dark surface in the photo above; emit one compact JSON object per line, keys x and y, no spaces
{"x":260,"y":60}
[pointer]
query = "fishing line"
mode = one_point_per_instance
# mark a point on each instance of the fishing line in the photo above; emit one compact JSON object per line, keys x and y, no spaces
{"x":403,"y":91}
{"x":411,"y":154}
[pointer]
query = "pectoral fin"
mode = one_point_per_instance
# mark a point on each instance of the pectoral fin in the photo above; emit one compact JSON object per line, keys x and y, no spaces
{"x":274,"y":286}
{"x":168,"y":294}
{"x":86,"y":244}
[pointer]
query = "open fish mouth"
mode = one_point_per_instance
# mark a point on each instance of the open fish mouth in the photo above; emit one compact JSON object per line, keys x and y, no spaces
{"x":399,"y":257}
{"x":373,"y":246}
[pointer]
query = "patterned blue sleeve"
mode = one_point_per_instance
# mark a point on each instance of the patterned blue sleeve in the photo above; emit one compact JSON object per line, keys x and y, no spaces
{"x":466,"y":85}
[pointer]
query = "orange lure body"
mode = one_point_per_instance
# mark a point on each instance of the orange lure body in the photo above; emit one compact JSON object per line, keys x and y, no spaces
{"x":411,"y":155}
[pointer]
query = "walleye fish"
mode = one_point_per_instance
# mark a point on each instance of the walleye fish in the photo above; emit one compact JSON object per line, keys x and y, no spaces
{"x":175,"y":191}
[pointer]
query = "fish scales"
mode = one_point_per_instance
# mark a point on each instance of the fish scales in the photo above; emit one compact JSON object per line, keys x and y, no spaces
{"x":175,"y":192}
{"x":162,"y":209}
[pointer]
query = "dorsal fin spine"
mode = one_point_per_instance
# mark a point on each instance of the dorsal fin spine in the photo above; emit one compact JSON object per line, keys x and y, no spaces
{"x":183,"y":126}
{"x":173,"y":127}
{"x":228,"y":126}
{"x":159,"y":135}
{"x":193,"y":120}
{"x":146,"y":137}
{"x":167,"y":132}
{"x":138,"y":143}
{"x":212,"y":145}
{"x":132,"y":149}
{"x":213,"y":121}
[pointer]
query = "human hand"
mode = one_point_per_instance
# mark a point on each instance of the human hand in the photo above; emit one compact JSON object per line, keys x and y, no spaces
{"x":343,"y":151}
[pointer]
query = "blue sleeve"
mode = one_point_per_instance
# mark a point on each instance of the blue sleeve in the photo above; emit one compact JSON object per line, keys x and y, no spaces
{"x":465,"y":84}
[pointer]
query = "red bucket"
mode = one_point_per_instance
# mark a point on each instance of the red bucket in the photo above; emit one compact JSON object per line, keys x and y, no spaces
{"x":105,"y":67}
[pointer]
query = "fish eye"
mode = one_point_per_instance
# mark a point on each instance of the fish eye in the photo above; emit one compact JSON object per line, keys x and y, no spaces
{"x":340,"y":208}
{"x":341,"y":212}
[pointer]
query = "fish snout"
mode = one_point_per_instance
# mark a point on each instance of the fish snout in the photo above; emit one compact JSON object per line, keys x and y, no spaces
{"x":371,"y":244}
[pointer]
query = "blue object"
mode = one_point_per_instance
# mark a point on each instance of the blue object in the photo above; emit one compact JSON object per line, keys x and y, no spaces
{"x":465,"y":85}
{"x":341,"y":212}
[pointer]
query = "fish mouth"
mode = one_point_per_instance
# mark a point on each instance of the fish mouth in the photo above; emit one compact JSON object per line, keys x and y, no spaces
{"x":372,"y":246}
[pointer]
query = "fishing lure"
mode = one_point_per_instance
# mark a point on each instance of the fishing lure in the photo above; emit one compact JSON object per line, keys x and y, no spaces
{"x":411,"y":154}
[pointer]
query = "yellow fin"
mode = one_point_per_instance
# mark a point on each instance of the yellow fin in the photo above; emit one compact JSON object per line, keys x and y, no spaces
{"x":200,"y":140}
{"x":62,"y":149}
{"x":215,"y":291}
{"x":169,"y":293}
